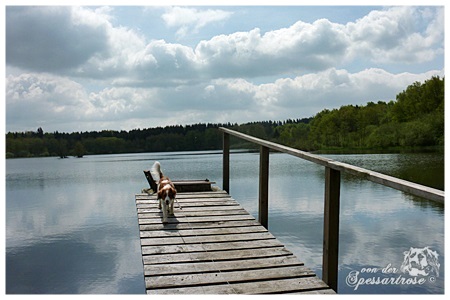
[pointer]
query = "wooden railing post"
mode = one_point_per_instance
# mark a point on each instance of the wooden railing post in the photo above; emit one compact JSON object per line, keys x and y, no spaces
{"x":226,"y":163}
{"x":333,"y":171}
{"x":263,"y":209}
{"x":331,"y":228}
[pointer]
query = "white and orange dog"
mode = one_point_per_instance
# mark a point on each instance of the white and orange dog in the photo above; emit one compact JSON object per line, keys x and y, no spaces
{"x":165,"y":189}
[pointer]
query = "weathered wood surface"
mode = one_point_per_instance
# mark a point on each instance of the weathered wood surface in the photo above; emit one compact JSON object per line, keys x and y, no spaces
{"x":213,"y":246}
{"x":182,"y":185}
{"x":390,"y":181}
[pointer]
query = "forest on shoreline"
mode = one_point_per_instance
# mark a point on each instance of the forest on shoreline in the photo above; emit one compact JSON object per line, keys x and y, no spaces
{"x":414,"y":119}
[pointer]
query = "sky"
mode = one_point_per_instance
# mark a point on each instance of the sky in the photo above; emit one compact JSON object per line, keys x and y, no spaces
{"x":116,"y":67}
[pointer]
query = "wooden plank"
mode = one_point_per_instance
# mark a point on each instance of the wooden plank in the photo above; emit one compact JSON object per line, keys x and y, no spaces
{"x":200,"y":195}
{"x":173,"y":226}
{"x":181,"y":213}
{"x":193,"y":185}
{"x":156,"y":282}
{"x":216,"y":249}
{"x":185,"y":201}
{"x":390,"y":181}
{"x":194,"y":209}
{"x":152,"y":250}
{"x":203,"y":267}
{"x":206,"y":199}
{"x":201,"y":232}
{"x":182,"y":200}
{"x":182,"y":185}
{"x":196,"y":204}
{"x":257,"y":287}
{"x":191,"y":200}
{"x":154,"y":208}
{"x":207,"y":239}
{"x":186,"y":213}
{"x":279,"y":286}
{"x":295,"y":152}
{"x":214,"y":255}
{"x":196,"y":219}
{"x":314,"y":292}
{"x":162,"y":241}
{"x":151,"y":200}
{"x":228,"y":237}
{"x":192,"y":181}
{"x":192,"y":205}
{"x":217,"y":192}
{"x":223,"y":289}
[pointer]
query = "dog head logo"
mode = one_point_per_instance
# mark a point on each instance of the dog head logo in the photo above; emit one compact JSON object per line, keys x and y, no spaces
{"x":420,"y":261}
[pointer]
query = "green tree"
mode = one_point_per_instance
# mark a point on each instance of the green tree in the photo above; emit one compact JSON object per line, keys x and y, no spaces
{"x":79,"y":149}
{"x":63,"y":151}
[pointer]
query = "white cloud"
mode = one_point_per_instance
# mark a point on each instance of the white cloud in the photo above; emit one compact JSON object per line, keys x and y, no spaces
{"x":133,"y":79}
{"x":191,"y":19}
{"x":82,"y":42}
{"x":35,"y":100}
{"x":306,"y":95}
{"x":301,"y":47}
{"x":116,"y":104}
{"x":394,"y":35}
{"x":389,"y":36}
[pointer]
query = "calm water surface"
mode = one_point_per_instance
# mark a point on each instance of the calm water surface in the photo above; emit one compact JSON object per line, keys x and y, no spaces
{"x":71,"y":224}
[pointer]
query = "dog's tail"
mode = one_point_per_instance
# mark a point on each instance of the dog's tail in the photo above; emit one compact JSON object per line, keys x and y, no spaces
{"x":156,"y":171}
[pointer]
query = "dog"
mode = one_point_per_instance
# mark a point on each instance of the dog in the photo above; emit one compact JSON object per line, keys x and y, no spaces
{"x":165,"y":190}
{"x":420,"y":261}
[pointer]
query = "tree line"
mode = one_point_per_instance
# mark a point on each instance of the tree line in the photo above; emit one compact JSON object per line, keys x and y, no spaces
{"x":415,"y":118}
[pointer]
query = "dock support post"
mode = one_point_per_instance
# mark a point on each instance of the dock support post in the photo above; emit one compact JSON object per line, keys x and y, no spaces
{"x":331,"y":228}
{"x":263,"y":214}
{"x":226,"y":162}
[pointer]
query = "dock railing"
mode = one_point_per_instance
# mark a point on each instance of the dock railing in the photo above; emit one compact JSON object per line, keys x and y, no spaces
{"x":333,"y":171}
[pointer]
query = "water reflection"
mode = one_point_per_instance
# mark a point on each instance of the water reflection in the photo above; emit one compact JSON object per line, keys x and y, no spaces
{"x":377,"y":223}
{"x":57,"y":260}
{"x":67,"y":232}
{"x":422,"y":168}
{"x":71,"y":224}
{"x":80,"y":262}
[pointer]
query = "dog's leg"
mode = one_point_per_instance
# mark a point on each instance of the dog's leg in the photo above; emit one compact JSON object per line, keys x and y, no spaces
{"x":159,"y":203}
{"x":164,"y":209}
{"x":171,"y":206}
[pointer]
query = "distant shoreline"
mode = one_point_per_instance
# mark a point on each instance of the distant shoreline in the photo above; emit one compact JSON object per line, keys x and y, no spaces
{"x":334,"y":151}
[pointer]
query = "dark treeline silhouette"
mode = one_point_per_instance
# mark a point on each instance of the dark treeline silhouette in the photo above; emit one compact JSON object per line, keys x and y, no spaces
{"x":169,"y":138}
{"x":416,"y":118}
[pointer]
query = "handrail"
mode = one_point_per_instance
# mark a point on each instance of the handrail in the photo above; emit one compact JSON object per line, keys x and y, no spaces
{"x":390,"y":181}
{"x":333,"y":171}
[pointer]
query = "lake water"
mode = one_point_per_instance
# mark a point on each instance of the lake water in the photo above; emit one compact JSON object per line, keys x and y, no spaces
{"x":71,"y":224}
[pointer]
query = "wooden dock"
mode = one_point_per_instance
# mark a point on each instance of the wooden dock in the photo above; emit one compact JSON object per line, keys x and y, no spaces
{"x":213,"y":246}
